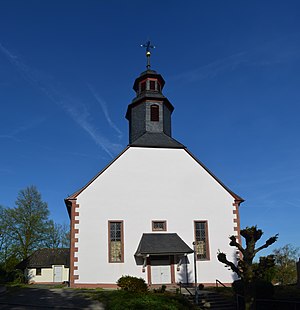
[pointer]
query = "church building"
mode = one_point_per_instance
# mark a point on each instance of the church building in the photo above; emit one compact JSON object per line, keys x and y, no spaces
{"x":154,"y":209}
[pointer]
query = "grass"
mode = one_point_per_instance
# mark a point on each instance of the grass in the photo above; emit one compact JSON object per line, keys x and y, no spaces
{"x":16,"y":286}
{"x":122,"y":300}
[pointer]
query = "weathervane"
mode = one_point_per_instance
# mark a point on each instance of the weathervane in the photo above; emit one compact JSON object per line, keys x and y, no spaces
{"x":148,"y":47}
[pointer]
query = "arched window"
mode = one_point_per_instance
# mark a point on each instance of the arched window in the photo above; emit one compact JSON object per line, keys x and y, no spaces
{"x":154,"y":109}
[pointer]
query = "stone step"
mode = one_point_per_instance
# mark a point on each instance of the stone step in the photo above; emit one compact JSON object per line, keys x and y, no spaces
{"x":211,"y":300}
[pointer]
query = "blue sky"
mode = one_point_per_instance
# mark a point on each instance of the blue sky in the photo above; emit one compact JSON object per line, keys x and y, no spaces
{"x":232,"y":71}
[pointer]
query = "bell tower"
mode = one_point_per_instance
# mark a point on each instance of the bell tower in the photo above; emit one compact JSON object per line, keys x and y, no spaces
{"x":149,"y":113}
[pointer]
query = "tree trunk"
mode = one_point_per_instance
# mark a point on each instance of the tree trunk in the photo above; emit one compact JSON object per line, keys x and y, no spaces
{"x":249,"y":296}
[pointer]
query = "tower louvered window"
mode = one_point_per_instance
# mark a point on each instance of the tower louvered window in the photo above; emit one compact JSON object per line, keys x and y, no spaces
{"x":152,"y":85}
{"x":154,"y":113}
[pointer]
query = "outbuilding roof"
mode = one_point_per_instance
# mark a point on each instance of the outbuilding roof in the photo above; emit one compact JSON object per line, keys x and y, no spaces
{"x":43,"y":258}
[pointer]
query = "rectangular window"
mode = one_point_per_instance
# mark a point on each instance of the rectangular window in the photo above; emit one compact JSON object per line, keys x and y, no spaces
{"x":116,"y":242}
{"x":201,"y":239}
{"x":152,"y":85}
{"x":38,"y":271}
{"x":159,"y":225}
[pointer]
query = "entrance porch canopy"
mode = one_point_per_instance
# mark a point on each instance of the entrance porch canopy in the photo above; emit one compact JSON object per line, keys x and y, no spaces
{"x":162,"y":244}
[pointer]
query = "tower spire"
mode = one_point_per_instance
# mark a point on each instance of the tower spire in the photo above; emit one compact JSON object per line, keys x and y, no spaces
{"x":148,"y":47}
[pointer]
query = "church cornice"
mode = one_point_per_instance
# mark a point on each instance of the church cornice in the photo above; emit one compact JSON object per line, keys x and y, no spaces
{"x":148,"y":75}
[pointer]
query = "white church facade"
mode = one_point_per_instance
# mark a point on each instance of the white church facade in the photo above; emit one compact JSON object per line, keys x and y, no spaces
{"x":142,"y":213}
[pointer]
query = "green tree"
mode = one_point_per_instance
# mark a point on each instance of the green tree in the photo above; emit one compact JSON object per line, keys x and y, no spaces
{"x":58,"y":235}
{"x":285,"y":262}
{"x":23,"y":228}
{"x":245,"y":268}
{"x":5,"y":244}
{"x":265,"y":270}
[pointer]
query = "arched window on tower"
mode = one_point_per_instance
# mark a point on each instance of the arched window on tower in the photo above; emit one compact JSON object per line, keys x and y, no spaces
{"x":154,"y":112}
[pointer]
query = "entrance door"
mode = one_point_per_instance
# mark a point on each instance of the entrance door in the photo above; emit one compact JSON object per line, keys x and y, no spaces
{"x":57,"y":274}
{"x":161,"y":274}
{"x":160,"y":270}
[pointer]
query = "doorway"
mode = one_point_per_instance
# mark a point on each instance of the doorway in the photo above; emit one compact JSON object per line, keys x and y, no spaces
{"x":57,"y":276}
{"x":161,"y":270}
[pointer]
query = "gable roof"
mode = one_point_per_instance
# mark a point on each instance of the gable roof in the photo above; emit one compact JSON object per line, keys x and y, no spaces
{"x":237,"y":198}
{"x":46,"y":258}
{"x":159,"y":139}
{"x":162,"y":244}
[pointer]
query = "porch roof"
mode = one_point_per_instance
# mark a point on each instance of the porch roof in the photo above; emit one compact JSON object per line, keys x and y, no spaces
{"x":162,"y":244}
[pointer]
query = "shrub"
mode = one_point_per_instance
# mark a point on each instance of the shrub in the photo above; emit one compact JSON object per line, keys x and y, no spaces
{"x":132,"y":284}
{"x":162,"y":289}
{"x":12,"y":276}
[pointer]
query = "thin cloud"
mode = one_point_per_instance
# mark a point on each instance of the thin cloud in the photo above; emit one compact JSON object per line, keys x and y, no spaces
{"x":105,"y":111}
{"x":9,"y":136}
{"x":12,"y":135}
{"x":213,"y":69}
{"x":279,"y":51}
{"x":77,"y":111}
{"x":7,"y":53}
{"x":6,"y":171}
{"x":83,"y":122}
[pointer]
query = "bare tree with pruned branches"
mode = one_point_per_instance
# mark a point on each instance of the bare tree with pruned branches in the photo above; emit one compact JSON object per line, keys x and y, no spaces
{"x":245,"y":268}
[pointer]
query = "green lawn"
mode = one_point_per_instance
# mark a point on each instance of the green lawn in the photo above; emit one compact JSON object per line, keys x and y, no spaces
{"x":122,"y":300}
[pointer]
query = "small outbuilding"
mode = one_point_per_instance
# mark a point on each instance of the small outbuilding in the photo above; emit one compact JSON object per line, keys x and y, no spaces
{"x":47,"y":266}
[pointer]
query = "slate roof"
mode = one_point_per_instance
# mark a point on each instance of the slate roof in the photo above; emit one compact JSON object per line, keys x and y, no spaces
{"x":162,"y":244}
{"x":151,"y":139}
{"x":44,"y":258}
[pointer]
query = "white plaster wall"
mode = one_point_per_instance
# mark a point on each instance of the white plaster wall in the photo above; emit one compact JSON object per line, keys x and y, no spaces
{"x":47,"y":275}
{"x":147,"y":184}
